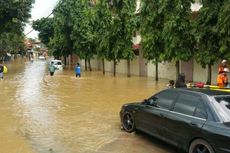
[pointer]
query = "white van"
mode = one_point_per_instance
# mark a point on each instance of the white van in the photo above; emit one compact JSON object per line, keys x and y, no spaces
{"x":58,"y":64}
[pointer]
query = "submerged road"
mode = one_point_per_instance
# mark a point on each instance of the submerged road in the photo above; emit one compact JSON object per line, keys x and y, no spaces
{"x":64,"y":114}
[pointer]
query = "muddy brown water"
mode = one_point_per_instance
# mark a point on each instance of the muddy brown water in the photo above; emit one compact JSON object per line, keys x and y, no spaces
{"x":64,"y":114}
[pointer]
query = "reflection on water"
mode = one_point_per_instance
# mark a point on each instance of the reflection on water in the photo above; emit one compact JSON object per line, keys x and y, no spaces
{"x":64,"y":114}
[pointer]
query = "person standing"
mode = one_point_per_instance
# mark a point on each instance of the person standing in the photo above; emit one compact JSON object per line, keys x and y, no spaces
{"x":222,"y":78}
{"x":52,"y":68}
{"x":171,"y":84}
{"x":1,"y":71}
{"x":78,"y":70}
{"x":223,"y":65}
{"x":180,"y":82}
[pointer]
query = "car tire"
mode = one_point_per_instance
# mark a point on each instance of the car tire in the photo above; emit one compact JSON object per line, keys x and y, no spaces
{"x":200,"y":146}
{"x":128,"y":123}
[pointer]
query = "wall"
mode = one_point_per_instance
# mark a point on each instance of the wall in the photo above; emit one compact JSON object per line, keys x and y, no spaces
{"x":95,"y":63}
{"x":122,"y":67}
{"x":201,"y":74}
{"x":165,"y":70}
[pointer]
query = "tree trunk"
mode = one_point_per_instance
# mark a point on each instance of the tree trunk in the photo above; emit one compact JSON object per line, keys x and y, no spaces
{"x":177,"y":69}
{"x":65,"y":60}
{"x":71,"y":59}
{"x":85,"y":64}
{"x":128,"y":64}
{"x":114,"y":67}
{"x":157,"y":78}
{"x":103,"y":66}
{"x":89,"y":63}
{"x":209,"y":74}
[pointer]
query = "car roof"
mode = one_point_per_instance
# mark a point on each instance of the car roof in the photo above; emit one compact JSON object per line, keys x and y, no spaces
{"x":206,"y":91}
{"x":56,"y":60}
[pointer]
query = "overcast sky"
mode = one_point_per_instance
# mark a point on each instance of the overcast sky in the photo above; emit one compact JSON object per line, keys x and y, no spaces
{"x":41,"y":8}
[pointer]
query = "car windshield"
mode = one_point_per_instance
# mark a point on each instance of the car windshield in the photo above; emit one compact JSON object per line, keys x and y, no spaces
{"x":223,"y":107}
{"x":56,"y":62}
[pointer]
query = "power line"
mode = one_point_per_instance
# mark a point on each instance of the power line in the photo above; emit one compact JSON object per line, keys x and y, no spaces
{"x":46,"y":16}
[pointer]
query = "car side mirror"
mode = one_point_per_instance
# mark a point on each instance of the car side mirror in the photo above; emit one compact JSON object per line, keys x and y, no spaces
{"x":153,"y":102}
{"x":145,"y":101}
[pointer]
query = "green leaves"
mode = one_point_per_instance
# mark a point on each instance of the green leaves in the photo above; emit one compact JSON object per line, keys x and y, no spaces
{"x":179,"y":41}
{"x":45,"y":28}
{"x":13,"y":16}
{"x":224,"y":29}
{"x":207,"y":33}
{"x":152,"y":24}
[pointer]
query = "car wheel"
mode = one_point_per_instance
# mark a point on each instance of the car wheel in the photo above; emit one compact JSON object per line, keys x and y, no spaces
{"x":200,"y":146}
{"x":128,"y":122}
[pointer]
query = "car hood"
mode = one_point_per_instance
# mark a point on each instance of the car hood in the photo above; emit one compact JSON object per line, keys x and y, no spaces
{"x":132,"y":104}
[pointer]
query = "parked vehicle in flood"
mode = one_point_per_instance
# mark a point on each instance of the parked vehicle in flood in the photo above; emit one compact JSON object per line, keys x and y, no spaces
{"x":195,"y":120}
{"x":41,"y":57}
{"x":58,"y":64}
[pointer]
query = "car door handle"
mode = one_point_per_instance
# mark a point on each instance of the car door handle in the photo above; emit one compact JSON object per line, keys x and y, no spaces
{"x":193,"y":124}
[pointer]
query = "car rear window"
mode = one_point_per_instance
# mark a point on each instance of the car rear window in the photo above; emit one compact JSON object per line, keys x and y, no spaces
{"x":223,"y":107}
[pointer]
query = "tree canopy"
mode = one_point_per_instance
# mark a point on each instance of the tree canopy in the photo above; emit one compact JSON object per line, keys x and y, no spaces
{"x":168,"y":28}
{"x":13,"y":16}
{"x":224,"y":29}
{"x":81,"y":27}
{"x":45,"y":28}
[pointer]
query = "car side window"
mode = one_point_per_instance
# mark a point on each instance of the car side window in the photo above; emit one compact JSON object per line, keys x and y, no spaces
{"x":164,"y":99}
{"x":200,"y":111}
{"x":186,"y":103}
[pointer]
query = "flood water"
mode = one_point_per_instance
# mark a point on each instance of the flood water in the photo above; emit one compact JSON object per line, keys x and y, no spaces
{"x":65,"y":114}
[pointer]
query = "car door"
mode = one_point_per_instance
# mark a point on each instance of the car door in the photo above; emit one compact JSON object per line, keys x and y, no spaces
{"x":153,"y":112}
{"x":186,"y":119}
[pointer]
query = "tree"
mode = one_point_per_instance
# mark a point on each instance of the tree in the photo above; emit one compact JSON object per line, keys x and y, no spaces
{"x":177,"y":32}
{"x":224,"y":29}
{"x":14,"y":12}
{"x":152,"y":24}
{"x":207,"y":35}
{"x":45,"y":28}
{"x":61,"y":42}
{"x":13,"y":16}
{"x":103,"y":23}
{"x":122,"y":28}
{"x":84,"y":30}
{"x":10,"y":42}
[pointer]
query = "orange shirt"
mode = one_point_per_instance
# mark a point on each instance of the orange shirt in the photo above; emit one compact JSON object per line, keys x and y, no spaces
{"x":222,"y":80}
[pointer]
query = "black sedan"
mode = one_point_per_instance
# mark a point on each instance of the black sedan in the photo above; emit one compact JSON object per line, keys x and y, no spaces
{"x":195,"y":120}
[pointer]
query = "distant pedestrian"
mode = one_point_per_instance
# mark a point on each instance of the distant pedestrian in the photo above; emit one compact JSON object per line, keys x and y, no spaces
{"x":31,"y":58}
{"x":78,"y":70}
{"x":1,"y":71}
{"x":171,"y":84}
{"x":52,"y":68}
{"x":180,"y":82}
